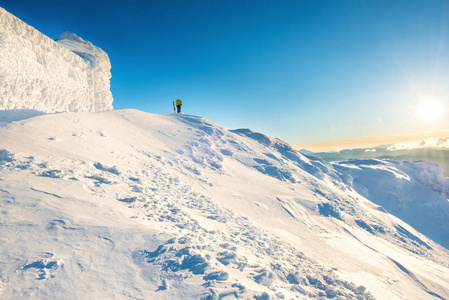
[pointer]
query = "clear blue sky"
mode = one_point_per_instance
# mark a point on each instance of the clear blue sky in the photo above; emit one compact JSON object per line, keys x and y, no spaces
{"x":308,"y":72}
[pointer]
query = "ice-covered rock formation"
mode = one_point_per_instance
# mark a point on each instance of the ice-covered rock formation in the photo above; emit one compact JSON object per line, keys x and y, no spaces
{"x":41,"y":74}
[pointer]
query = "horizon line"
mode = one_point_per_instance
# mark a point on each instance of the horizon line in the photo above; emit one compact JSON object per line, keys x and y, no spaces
{"x":370,"y":142}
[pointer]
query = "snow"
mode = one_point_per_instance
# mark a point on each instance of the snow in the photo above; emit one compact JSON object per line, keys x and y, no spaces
{"x":416,"y":192}
{"x":127,"y":204}
{"x":131,"y":205}
{"x":7,"y":116}
{"x":38,"y":73}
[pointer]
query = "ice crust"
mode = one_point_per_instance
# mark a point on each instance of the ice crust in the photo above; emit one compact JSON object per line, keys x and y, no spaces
{"x":38,"y":73}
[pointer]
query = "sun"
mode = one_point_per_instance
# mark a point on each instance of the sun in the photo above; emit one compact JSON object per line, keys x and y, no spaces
{"x":430,"y":111}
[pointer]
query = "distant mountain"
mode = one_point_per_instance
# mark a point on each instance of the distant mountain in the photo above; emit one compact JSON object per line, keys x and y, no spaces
{"x":433,"y":150}
{"x":305,"y":151}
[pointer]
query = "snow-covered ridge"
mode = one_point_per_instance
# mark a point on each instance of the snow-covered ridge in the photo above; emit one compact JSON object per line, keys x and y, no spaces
{"x":130,"y":205}
{"x":38,"y":73}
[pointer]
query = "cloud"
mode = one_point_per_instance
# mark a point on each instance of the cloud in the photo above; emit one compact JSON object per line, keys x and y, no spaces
{"x":441,"y":143}
{"x":370,"y":150}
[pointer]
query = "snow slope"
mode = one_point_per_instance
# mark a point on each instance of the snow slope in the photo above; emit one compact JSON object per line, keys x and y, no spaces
{"x":38,"y":73}
{"x":126,"y":204}
{"x":415,"y":192}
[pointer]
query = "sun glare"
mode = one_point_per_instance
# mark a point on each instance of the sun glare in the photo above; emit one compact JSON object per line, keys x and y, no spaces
{"x":430,"y":111}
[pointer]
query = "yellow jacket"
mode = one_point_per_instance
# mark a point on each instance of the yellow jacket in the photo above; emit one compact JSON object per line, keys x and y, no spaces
{"x":178,"y":102}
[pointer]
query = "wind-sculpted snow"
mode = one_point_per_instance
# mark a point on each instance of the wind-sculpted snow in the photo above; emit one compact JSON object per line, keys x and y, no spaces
{"x":130,"y":205}
{"x":38,"y":73}
{"x":311,"y":164}
{"x":415,"y":192}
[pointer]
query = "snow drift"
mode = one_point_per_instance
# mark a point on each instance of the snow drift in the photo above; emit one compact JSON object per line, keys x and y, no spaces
{"x":38,"y":73}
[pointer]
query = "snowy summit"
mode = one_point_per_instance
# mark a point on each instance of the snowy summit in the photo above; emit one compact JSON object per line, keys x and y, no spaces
{"x":124,"y":204}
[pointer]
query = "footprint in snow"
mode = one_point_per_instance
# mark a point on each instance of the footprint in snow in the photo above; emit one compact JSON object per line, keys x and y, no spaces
{"x":43,"y":268}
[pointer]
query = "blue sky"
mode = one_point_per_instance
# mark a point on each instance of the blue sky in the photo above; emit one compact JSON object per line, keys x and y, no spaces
{"x":317,"y":74}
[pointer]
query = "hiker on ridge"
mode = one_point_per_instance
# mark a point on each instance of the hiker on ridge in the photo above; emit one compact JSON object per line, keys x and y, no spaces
{"x":178,"y":105}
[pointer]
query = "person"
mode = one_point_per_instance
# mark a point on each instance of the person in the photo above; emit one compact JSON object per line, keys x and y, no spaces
{"x":178,"y":105}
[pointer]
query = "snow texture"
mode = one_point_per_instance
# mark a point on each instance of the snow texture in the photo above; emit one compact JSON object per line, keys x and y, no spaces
{"x":416,"y":192}
{"x":38,"y":73}
{"x":131,"y":205}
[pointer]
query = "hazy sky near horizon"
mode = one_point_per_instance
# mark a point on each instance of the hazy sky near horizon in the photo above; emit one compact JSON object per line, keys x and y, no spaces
{"x":312,"y":73}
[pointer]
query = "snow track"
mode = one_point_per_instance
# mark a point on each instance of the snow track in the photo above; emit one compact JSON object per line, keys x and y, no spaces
{"x":228,"y":266}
